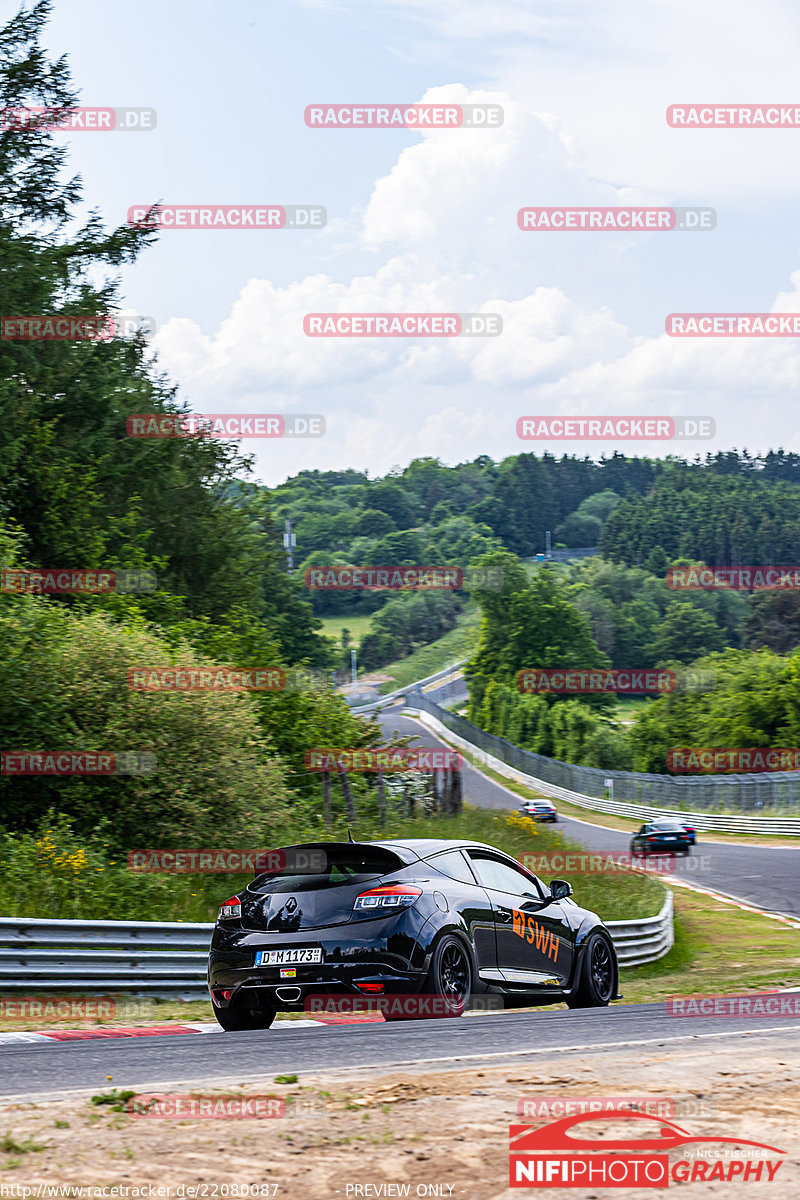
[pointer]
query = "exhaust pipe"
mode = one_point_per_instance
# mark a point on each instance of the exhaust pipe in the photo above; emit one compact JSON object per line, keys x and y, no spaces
{"x":288,"y":994}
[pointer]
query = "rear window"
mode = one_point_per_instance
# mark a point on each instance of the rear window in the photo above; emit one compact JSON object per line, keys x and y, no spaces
{"x":667,"y":825}
{"x":343,"y":865}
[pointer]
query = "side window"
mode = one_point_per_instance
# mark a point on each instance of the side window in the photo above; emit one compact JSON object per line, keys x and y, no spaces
{"x":454,"y":866}
{"x":502,"y":876}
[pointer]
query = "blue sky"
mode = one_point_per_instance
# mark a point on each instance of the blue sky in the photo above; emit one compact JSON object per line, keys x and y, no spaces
{"x":426,"y":222}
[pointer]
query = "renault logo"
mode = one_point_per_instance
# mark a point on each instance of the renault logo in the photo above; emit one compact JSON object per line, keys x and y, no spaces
{"x":291,"y":904}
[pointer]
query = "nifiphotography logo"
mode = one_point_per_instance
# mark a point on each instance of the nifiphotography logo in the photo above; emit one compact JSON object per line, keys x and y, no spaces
{"x":562,"y":1154}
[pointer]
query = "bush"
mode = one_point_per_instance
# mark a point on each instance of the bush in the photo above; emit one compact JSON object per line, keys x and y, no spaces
{"x":63,"y":678}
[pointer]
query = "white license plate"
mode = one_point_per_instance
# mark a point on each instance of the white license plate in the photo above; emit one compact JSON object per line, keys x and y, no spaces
{"x":281,"y":958}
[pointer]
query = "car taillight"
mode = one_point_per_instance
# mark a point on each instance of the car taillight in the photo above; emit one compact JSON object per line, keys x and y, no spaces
{"x":231,"y":910}
{"x":392,"y":895}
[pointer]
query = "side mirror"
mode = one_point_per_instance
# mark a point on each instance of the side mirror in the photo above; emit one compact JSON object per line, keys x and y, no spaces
{"x":560,"y":889}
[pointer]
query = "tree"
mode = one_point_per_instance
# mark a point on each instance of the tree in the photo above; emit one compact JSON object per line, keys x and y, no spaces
{"x":686,"y":634}
{"x":84,"y":493}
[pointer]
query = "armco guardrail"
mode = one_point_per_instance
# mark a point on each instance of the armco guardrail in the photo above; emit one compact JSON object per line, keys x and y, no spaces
{"x":651,"y":794}
{"x":781,"y":826}
{"x":645,"y":940}
{"x":170,"y":959}
{"x":97,"y":956}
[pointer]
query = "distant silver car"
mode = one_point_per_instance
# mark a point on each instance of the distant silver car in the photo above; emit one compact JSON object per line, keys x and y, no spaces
{"x":539,"y":810}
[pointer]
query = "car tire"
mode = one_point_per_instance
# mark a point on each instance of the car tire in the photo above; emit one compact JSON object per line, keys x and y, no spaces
{"x":450,"y":975}
{"x":237,"y":1019}
{"x":598,"y":975}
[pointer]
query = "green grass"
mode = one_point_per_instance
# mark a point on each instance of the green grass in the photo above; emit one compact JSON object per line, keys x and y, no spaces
{"x":359,"y":627}
{"x":458,"y":643}
{"x":10,"y":1145}
{"x":627,"y":708}
{"x":719,"y":949}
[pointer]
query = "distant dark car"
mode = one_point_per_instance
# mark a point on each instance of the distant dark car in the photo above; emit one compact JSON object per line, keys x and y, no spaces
{"x":539,"y":810}
{"x":662,"y":836}
{"x":442,"y":918}
{"x":692,"y":832}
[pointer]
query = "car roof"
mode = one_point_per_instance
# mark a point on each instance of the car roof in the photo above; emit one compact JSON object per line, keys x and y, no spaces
{"x":408,"y":850}
{"x":425,"y":847}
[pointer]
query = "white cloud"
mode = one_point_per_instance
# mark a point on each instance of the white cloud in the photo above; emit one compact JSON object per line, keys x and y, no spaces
{"x":441,"y":225}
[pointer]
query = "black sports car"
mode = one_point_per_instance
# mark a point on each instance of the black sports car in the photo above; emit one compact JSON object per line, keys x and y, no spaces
{"x":662,"y":836}
{"x":421,"y":917}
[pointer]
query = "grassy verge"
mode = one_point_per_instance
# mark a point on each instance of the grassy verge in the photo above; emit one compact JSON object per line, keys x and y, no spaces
{"x":719,"y":948}
{"x":87,"y":881}
{"x":358,"y":626}
{"x":427,"y":660}
{"x":627,"y":707}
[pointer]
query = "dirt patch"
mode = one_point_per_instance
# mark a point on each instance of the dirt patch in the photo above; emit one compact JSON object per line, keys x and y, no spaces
{"x":442,"y":1133}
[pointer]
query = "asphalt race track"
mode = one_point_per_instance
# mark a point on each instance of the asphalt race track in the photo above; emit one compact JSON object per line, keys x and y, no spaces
{"x":765,"y":876}
{"x":42,"y":1070}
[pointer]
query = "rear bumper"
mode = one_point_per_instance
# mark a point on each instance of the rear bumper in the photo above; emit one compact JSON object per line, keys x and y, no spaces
{"x":254,"y":989}
{"x":662,"y":847}
{"x":389,"y":951}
